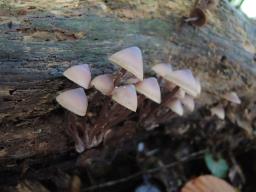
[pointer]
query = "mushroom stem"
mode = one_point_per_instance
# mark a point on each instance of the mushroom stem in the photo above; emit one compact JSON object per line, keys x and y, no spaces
{"x":191,"y":19}
{"x":121,"y":72}
{"x":154,"y":113}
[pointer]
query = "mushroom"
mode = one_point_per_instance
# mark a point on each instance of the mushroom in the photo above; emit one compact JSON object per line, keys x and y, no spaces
{"x":232,"y":97}
{"x":175,"y":106}
{"x":218,"y":111}
{"x":126,"y":96}
{"x":197,"y":17}
{"x":79,"y":74}
{"x":185,"y":80}
{"x":104,"y":83}
{"x":150,"y":88}
{"x":209,"y":4}
{"x":129,"y":59}
{"x":162,"y":69}
{"x":74,"y":100}
{"x":188,"y":102}
{"x":207,"y":183}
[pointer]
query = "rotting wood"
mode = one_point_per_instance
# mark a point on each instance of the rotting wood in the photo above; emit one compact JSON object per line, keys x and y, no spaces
{"x":37,"y":46}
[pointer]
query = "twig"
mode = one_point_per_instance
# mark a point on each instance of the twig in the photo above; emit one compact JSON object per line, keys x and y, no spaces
{"x":125,"y":179}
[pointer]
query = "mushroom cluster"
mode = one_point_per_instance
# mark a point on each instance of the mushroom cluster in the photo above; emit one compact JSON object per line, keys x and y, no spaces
{"x":123,"y":86}
{"x":219,"y":110}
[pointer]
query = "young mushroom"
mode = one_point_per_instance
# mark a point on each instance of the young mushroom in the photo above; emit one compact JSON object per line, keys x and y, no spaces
{"x":126,"y":96}
{"x":162,"y":69}
{"x":79,"y":74}
{"x":175,"y":106}
{"x":188,"y":102}
{"x":149,"y":87}
{"x":218,"y":111}
{"x":129,"y":59}
{"x":104,"y":83}
{"x":74,"y":100}
{"x":232,"y":97}
{"x":197,"y":17}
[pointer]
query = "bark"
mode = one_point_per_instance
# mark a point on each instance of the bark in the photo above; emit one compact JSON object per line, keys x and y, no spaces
{"x":39,"y":41}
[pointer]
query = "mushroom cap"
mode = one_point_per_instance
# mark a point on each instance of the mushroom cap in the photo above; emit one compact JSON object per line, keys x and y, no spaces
{"x":175,"y":106}
{"x":188,"y":102}
{"x":150,"y":88}
{"x":199,"y":13}
{"x":232,"y":97}
{"x":79,"y":74}
{"x":218,"y":111}
{"x":126,"y":96}
{"x":129,"y":59}
{"x":207,"y":183}
{"x":104,"y":83}
{"x":162,"y":69}
{"x":185,"y":80}
{"x":74,"y":100}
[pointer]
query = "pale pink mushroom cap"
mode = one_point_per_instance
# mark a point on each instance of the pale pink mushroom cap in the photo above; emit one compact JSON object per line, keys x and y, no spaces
{"x":232,"y":97}
{"x":74,"y":100}
{"x":150,"y":88}
{"x":79,"y":74}
{"x":188,"y":102}
{"x":218,"y":111}
{"x":104,"y":83}
{"x":126,"y":96}
{"x":175,"y":106}
{"x":162,"y":69}
{"x":185,"y":80}
{"x":129,"y":59}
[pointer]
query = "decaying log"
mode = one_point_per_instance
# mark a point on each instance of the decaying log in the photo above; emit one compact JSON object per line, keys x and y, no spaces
{"x":39,"y":41}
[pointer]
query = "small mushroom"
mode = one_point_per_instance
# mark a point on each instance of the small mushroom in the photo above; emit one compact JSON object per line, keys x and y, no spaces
{"x":197,"y":17}
{"x":74,"y":100}
{"x":126,"y":96}
{"x":209,"y":4}
{"x":103,"y":83}
{"x":218,"y":111}
{"x":207,"y":183}
{"x":175,"y":106}
{"x":150,"y":88}
{"x":79,"y":74}
{"x":188,"y":102}
{"x":232,"y":97}
{"x":185,"y":80}
{"x":130,"y":59}
{"x":162,"y":69}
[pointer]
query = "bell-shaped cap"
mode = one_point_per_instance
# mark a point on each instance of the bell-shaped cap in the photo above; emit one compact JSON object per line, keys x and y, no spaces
{"x":185,"y":80}
{"x":162,"y":69}
{"x":104,"y":83}
{"x":150,"y":88}
{"x":130,"y":59}
{"x":74,"y":100}
{"x":126,"y":96}
{"x":175,"y":106}
{"x":207,"y":183}
{"x":232,"y":97}
{"x":79,"y":74}
{"x":188,"y":102}
{"x":218,"y":111}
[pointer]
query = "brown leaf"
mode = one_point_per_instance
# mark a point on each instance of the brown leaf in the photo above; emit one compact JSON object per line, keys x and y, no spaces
{"x":207,"y":183}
